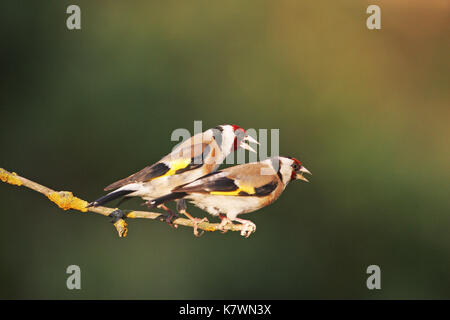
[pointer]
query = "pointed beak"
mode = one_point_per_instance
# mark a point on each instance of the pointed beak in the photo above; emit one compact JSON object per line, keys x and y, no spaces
{"x":299,"y":176}
{"x":250,"y":139}
{"x":303,"y":169}
{"x":245,"y":146}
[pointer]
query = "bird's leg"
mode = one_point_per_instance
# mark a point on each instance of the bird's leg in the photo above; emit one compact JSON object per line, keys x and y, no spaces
{"x":195,"y":221}
{"x":170,"y":217}
{"x":181,"y":205}
{"x":224,"y":221}
{"x":249,"y":227}
{"x":181,"y":208}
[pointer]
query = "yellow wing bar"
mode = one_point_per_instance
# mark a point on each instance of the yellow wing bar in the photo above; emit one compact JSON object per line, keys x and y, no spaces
{"x":246,"y":189}
{"x":174,"y":166}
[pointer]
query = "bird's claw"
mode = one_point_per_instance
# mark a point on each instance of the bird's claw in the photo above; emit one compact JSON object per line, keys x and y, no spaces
{"x":169,"y":219}
{"x":248,"y":229}
{"x":223,"y":224}
{"x":222,"y":229}
{"x":195,"y":222}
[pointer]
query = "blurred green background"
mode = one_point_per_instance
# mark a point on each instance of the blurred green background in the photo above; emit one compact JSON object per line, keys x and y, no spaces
{"x":366,"y":111}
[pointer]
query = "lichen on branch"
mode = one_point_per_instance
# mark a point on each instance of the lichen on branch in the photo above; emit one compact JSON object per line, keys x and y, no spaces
{"x":10,"y":178}
{"x":67,"y":201}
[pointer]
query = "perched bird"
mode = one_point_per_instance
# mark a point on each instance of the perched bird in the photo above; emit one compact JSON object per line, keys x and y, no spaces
{"x":240,"y":189}
{"x":190,"y":160}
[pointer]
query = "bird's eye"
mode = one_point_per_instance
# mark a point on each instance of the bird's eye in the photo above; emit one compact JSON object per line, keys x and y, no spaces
{"x":296,"y":166}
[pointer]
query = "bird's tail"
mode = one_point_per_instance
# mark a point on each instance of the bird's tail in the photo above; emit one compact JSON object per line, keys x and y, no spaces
{"x":171,"y":196}
{"x":109,"y":197}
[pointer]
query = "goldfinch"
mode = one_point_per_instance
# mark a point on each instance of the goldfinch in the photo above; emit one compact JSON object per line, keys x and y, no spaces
{"x":239,"y":189}
{"x":192,"y":159}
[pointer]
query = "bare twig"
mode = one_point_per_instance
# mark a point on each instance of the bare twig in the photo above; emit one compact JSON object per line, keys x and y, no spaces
{"x":66,"y":200}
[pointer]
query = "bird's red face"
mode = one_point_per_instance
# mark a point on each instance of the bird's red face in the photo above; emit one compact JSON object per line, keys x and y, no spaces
{"x":241,"y":137}
{"x":297,"y":170}
{"x":239,"y":133}
{"x":235,"y":127}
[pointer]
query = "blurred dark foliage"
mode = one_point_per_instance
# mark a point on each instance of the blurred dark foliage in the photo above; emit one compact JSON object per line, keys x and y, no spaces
{"x":366,"y":111}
